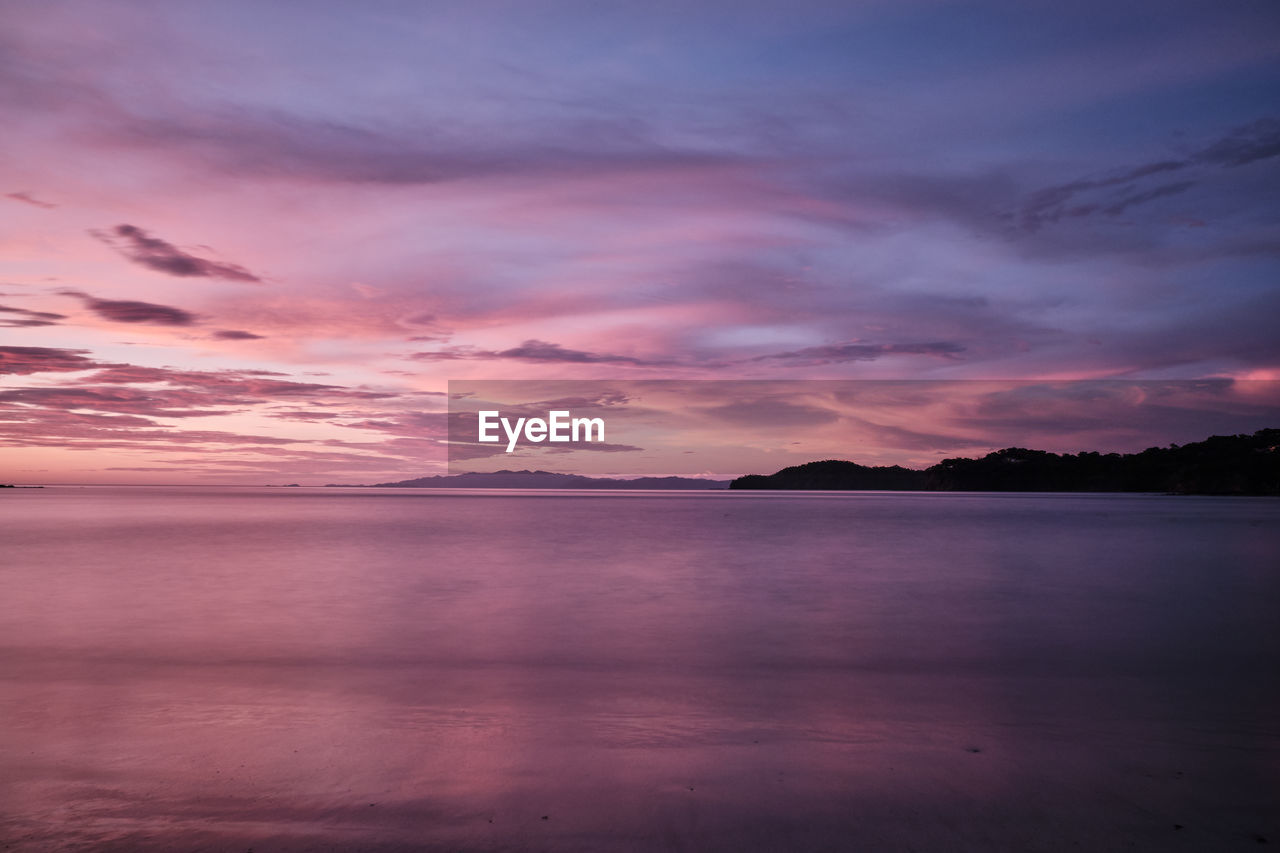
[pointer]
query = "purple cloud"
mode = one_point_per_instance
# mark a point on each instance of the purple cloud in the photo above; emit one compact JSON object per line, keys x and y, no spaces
{"x":132,"y":311}
{"x":1241,"y":146}
{"x":177,"y":404}
{"x":26,"y":360}
{"x":773,"y":411}
{"x":1118,"y":207}
{"x":28,"y":198}
{"x":21,"y":317}
{"x":535,"y":351}
{"x":118,"y":389}
{"x":835,"y":354}
{"x":275,"y":143}
{"x":233,"y":387}
{"x":156,"y":254}
{"x":236,"y":335}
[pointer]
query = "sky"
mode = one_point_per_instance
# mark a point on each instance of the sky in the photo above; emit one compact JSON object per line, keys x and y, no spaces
{"x":720,"y":428}
{"x":248,"y":242}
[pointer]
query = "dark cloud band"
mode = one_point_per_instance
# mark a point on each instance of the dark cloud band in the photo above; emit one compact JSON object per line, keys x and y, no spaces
{"x":156,"y":254}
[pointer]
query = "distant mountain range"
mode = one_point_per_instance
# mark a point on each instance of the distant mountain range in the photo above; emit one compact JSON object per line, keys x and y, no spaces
{"x":1220,"y":465}
{"x":548,"y":480}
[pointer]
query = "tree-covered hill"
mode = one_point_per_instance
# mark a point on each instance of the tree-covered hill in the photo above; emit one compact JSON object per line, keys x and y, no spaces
{"x":1220,"y":465}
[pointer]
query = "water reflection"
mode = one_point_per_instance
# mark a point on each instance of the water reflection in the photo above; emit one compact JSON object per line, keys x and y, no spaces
{"x":327,"y":669}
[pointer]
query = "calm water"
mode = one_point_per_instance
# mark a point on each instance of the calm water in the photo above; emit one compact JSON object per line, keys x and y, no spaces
{"x":330,"y":669}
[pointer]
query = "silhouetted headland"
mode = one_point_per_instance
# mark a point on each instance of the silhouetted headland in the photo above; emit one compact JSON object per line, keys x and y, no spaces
{"x":1220,"y":465}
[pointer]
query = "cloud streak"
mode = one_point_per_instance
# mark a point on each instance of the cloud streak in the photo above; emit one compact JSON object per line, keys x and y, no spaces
{"x":134,"y":311}
{"x":236,"y":335}
{"x":28,"y":198}
{"x":27,"y":360}
{"x":1242,"y":146}
{"x":22,"y":318}
{"x":155,"y":254}
{"x":840,"y":353}
{"x":537,"y":351}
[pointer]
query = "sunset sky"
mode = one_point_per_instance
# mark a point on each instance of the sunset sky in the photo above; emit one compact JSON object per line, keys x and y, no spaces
{"x":251,"y":242}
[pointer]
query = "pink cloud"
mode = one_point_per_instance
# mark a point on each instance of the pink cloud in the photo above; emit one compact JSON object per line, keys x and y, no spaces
{"x":27,"y":360}
{"x":156,"y":254}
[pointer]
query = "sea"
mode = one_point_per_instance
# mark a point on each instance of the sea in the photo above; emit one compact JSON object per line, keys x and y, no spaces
{"x":343,"y":669}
